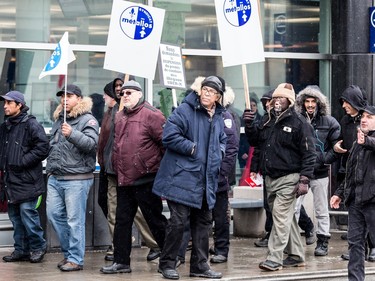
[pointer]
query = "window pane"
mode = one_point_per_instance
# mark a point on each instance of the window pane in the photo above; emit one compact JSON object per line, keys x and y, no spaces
{"x":21,"y":72}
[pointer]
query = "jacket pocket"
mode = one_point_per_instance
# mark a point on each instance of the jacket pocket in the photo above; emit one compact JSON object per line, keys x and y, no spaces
{"x":187,"y":174}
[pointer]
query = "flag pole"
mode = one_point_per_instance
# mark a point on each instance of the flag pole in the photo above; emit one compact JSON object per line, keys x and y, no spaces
{"x":174,"y":98}
{"x":245,"y":86}
{"x":66,"y":84}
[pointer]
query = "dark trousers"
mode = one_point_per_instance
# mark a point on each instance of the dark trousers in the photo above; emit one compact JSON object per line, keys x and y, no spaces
{"x":269,"y":221}
{"x":200,"y":223}
{"x":128,"y":200}
{"x":305,"y":221}
{"x":102,"y":192}
{"x":361,"y":221}
{"x":221,"y":219}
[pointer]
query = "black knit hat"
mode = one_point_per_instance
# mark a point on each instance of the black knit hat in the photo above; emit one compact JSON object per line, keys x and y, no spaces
{"x":369,"y":109}
{"x":108,"y":90}
{"x":213,"y":82}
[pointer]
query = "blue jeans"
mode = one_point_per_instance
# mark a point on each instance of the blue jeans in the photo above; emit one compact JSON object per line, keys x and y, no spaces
{"x":66,"y":211}
{"x":28,"y":233}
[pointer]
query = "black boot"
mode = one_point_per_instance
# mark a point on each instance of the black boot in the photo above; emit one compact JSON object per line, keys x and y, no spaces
{"x":322,"y":245}
{"x":371,"y":256}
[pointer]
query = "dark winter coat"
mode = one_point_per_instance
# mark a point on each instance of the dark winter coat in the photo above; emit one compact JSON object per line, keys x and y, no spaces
{"x":138,"y":148}
{"x":185,"y":177}
{"x":74,"y":157}
{"x":326,"y":129}
{"x":24,"y":145}
{"x":286,"y":143}
{"x":359,"y":184}
{"x":106,"y":138}
{"x":231,"y":150}
{"x":349,"y":124}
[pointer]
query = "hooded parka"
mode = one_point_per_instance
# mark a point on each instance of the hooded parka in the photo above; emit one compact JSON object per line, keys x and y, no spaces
{"x":188,"y":175}
{"x":326,"y":129}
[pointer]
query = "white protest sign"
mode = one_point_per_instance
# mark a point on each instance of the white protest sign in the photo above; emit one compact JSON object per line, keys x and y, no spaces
{"x":171,"y":68}
{"x":134,"y":38}
{"x":239,"y":30}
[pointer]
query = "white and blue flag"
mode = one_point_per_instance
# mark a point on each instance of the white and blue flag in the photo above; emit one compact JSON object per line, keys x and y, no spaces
{"x":134,"y":38}
{"x":60,"y":58}
{"x":239,"y":31}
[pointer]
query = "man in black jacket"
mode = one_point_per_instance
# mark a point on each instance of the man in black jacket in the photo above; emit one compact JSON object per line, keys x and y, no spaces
{"x":358,"y":193}
{"x":287,"y":162}
{"x":24,"y":145}
{"x":352,"y":101}
{"x":314,"y":106}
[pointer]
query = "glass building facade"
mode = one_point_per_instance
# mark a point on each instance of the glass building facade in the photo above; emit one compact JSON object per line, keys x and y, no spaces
{"x":296,"y":37}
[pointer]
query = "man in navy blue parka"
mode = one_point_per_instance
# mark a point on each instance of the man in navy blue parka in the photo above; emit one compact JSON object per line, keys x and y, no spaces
{"x":195,"y":141}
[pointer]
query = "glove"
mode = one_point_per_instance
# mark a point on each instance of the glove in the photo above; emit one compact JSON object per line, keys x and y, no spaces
{"x":248,"y":117}
{"x":302,"y":186}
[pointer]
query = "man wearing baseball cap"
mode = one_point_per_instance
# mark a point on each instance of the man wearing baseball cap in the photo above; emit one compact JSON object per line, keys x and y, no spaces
{"x":70,"y":166}
{"x":24,"y":145}
{"x":358,"y":193}
{"x":287,"y":162}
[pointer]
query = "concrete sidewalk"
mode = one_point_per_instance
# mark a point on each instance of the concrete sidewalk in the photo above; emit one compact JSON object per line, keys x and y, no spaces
{"x":242,"y":265}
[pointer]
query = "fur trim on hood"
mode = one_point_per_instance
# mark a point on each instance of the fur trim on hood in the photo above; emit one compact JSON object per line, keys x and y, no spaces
{"x":228,"y":96}
{"x":313,"y":91}
{"x":84,"y":106}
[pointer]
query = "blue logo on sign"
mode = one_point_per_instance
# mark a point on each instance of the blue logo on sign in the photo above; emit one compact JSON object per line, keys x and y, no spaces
{"x":55,"y":59}
{"x":237,"y":12}
{"x":136,"y":22}
{"x":372,"y":29}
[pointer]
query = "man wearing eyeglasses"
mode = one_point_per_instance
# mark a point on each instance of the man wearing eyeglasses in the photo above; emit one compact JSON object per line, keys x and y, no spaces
{"x":137,"y":152}
{"x":188,"y":176}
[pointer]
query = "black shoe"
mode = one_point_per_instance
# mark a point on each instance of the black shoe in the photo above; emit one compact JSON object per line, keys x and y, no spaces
{"x":270,"y":265}
{"x":62,"y":262}
{"x":371,"y":256}
{"x":169,"y":274}
{"x":180,"y":260}
{"x":116,"y":268}
{"x":310,"y":237}
{"x":207,"y":274}
{"x":291,"y":262}
{"x":344,"y":236}
{"x":345,"y":257}
{"x":153,"y":254}
{"x":212,"y":250}
{"x":189,"y":246}
{"x":37,"y":256}
{"x":109,"y":257}
{"x":218,"y":259}
{"x":15,"y":256}
{"x":262,"y":242}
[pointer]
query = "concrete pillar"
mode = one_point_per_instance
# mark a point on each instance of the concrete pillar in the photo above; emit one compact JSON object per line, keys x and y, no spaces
{"x":352,"y":63}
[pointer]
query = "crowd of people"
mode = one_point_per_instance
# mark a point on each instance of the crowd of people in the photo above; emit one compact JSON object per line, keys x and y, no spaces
{"x":188,"y":160}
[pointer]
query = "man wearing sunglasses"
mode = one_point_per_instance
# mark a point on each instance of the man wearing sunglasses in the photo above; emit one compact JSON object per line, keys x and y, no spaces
{"x":137,"y":152}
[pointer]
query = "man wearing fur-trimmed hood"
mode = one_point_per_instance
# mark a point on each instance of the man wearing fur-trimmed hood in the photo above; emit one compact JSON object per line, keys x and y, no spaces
{"x":70,"y":167}
{"x":313,"y":105}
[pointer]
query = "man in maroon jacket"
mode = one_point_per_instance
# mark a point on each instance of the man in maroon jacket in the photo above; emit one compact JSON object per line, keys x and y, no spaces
{"x":137,"y":152}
